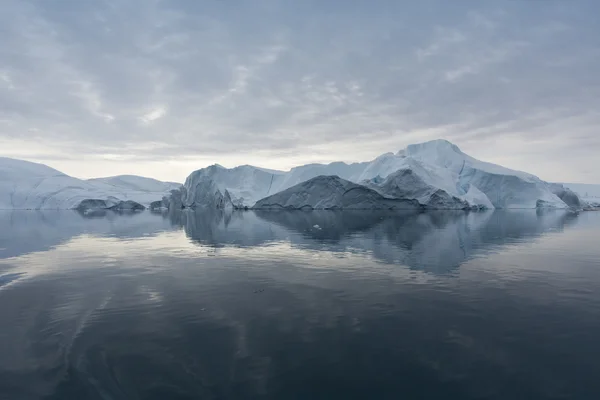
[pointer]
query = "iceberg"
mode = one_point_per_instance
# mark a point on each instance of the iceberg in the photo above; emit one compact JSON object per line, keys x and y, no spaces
{"x":469,"y":178}
{"x":437,"y":174}
{"x":330,"y":193}
{"x":244,"y":185}
{"x":588,"y":193}
{"x":434,"y":174}
{"x":33,"y":186}
{"x":205,"y":193}
{"x":412,"y":181}
{"x":568,"y":196}
{"x":127,"y":206}
{"x":94,"y":205}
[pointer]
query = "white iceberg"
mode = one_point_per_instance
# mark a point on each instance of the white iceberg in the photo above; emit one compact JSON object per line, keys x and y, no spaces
{"x":27,"y":185}
{"x":437,"y":174}
{"x":219,"y":187}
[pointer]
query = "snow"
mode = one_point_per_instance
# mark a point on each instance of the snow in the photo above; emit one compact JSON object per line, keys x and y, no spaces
{"x":332,"y":192}
{"x":441,"y":174}
{"x":27,"y":185}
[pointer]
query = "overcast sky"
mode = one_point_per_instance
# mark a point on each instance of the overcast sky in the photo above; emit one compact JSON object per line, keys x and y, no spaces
{"x":160,"y":88}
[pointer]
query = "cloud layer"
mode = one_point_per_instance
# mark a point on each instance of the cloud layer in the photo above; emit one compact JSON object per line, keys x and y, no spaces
{"x":160,"y":88}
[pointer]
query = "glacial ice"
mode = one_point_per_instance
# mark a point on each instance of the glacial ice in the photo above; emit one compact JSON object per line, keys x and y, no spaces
{"x":332,"y":192}
{"x":437,"y":174}
{"x":27,"y":185}
{"x":127,"y":205}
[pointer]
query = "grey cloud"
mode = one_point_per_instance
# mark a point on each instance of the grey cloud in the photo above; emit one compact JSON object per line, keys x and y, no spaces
{"x":161,"y":81}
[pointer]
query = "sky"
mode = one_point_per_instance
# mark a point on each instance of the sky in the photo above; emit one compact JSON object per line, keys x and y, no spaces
{"x":160,"y":88}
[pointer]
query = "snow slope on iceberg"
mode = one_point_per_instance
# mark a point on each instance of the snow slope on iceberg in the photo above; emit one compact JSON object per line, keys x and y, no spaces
{"x":27,"y":185}
{"x":447,"y":155}
{"x":133,"y":183}
{"x":332,"y":192}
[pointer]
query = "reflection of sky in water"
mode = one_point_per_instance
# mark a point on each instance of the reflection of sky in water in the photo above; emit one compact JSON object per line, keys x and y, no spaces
{"x":230,"y":306}
{"x":429,"y":242}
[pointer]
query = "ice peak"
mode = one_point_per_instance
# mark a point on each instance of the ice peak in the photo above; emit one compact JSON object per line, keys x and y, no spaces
{"x":437,"y":145}
{"x":384,"y":156}
{"x":213,"y":168}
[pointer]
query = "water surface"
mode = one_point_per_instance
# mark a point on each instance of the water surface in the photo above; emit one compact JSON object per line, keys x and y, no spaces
{"x":300,"y":305}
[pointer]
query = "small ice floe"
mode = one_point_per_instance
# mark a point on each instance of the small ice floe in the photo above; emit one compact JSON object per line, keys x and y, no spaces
{"x":317,"y":227}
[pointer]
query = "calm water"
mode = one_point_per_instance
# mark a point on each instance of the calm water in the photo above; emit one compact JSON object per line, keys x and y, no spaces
{"x":300,"y":305}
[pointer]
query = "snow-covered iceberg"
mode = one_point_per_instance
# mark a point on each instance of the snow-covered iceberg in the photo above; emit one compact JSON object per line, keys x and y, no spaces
{"x":332,"y":192}
{"x":437,"y":174}
{"x":468,"y":178}
{"x":27,"y":185}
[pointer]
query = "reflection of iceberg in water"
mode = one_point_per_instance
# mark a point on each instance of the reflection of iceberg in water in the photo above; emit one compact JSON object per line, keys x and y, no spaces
{"x":433,"y":241}
{"x":332,"y":225}
{"x":23,"y":232}
{"x":218,"y":228}
{"x":83,"y":322}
